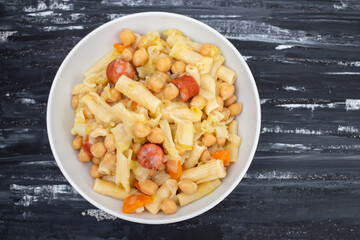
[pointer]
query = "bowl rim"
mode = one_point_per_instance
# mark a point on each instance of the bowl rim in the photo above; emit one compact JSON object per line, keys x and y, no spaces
{"x":129,"y":217}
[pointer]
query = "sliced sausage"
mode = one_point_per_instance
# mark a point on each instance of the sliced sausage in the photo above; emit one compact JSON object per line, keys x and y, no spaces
{"x":187,"y":86}
{"x":117,"y":68}
{"x":150,"y":156}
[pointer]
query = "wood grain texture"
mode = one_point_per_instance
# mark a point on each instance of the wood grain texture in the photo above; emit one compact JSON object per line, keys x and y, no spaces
{"x":304,"y":182}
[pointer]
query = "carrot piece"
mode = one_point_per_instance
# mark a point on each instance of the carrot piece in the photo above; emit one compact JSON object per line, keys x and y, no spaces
{"x":223,"y":155}
{"x":134,"y":105}
{"x":136,"y":184}
{"x":133,"y":202}
{"x":120,"y":47}
{"x":174,"y":168}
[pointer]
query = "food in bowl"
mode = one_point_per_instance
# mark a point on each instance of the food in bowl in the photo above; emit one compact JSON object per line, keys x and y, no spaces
{"x":156,"y":119}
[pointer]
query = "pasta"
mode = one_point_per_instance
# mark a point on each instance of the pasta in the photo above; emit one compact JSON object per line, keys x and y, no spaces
{"x":135,"y":122}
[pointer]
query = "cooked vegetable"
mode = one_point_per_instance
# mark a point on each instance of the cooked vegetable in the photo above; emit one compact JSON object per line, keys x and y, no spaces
{"x":134,"y":202}
{"x":223,"y":155}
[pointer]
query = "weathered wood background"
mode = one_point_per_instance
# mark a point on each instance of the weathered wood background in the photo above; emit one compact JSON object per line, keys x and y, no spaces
{"x":304,"y":182}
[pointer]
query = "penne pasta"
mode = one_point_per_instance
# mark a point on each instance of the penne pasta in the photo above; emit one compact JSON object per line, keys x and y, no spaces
{"x":205,"y":172}
{"x":162,"y":193}
{"x":109,"y":189}
{"x":138,"y":93}
{"x":202,"y":190}
{"x":102,"y":63}
{"x":194,"y":155}
{"x":122,"y":176}
{"x":226,"y":74}
{"x":194,"y":72}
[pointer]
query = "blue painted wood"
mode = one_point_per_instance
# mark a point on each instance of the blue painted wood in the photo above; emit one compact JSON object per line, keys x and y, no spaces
{"x":304,"y":182}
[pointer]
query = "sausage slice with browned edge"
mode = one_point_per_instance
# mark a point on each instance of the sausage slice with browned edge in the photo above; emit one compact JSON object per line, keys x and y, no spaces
{"x":150,"y":156}
{"x":187,"y":86}
{"x":117,"y":68}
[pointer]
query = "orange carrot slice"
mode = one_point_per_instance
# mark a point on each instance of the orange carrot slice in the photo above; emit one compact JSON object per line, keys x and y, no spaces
{"x":133,"y":202}
{"x":223,"y":155}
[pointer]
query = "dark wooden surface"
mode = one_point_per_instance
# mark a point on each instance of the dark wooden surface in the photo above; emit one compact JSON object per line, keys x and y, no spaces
{"x":304,"y":182}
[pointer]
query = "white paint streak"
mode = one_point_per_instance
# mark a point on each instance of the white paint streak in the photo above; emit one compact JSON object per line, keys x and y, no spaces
{"x":32,"y":194}
{"x":247,"y":30}
{"x":302,"y":131}
{"x":219,"y":16}
{"x":274,"y":175}
{"x":264,"y":100}
{"x":341,"y":6}
{"x":286,"y":146}
{"x":27,"y":101}
{"x":352,"y":104}
{"x":41,"y":14}
{"x":56,"y":28}
{"x":349,"y":64}
{"x":311,"y":106}
{"x":293,"y":88}
{"x":247,"y":57}
{"x":41,"y":6}
{"x":98,"y":214}
{"x":5,"y":34}
{"x":53,"y":5}
{"x":113,"y":16}
{"x":281,"y":47}
{"x":40,"y":163}
{"x":342,"y":73}
{"x":129,"y":3}
{"x":348,"y":129}
{"x":77,"y":16}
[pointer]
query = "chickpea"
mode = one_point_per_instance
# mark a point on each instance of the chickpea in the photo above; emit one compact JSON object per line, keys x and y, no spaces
{"x":83,"y":156}
{"x":98,"y":149}
{"x":140,"y":57}
{"x":227,"y":91}
{"x":115,"y":95}
{"x":75,"y":102}
{"x":168,"y":206}
{"x":77,"y":142}
{"x":127,"y":37}
{"x":221,"y":141}
{"x":163,"y":64}
{"x":187,"y":186}
{"x":96,"y":160}
{"x":230,"y":101}
{"x":198,"y":101}
{"x":94,"y":171}
{"x":155,"y":83}
{"x":141,"y":130}
{"x":208,"y":139}
{"x":109,"y":142}
{"x":235,"y":109}
{"x":171,"y":91}
{"x":136,"y":147}
{"x":178,"y":67}
{"x":88,"y":114}
{"x":148,"y":187}
{"x":205,"y":156}
{"x":162,"y":76}
{"x":156,"y":135}
{"x":109,"y":158}
{"x":220,"y":101}
{"x":226,"y":113}
{"x":127,"y":54}
{"x":205,"y":49}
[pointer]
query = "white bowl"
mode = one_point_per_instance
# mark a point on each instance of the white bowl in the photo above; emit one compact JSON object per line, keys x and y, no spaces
{"x":60,"y":114}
